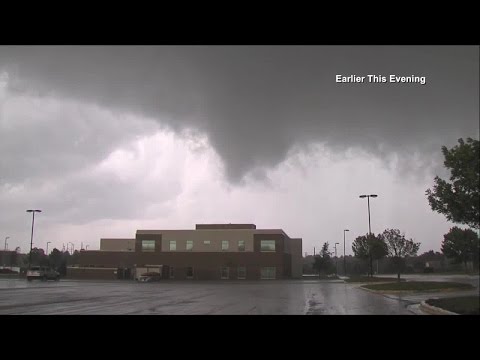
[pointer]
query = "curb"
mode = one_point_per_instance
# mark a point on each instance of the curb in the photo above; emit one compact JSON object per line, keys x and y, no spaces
{"x":433,"y":310}
{"x":387,"y":292}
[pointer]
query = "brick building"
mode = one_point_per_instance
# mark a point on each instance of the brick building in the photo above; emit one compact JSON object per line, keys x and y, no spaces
{"x":209,"y":252}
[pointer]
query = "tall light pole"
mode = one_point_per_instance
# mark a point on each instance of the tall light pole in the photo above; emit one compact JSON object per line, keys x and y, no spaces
{"x":73,"y":246}
{"x":369,"y":226}
{"x":344,"y":258}
{"x":368,"y":199}
{"x":336,"y":259}
{"x":33,"y":211}
{"x":6,"y":238}
{"x":48,"y":242}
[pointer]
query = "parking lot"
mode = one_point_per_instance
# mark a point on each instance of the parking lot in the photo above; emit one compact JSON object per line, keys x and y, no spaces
{"x":278,"y":297}
{"x":17,"y":296}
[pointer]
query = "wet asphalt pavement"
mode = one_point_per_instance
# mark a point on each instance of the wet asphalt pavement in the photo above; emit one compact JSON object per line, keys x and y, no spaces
{"x":280,"y":297}
{"x":311,"y":297}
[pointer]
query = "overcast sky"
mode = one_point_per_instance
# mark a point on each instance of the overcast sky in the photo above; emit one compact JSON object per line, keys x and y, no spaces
{"x":108,"y":140}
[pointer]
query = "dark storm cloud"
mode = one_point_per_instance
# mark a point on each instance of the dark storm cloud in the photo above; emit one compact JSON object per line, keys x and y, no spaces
{"x":256,"y":102}
{"x":50,"y":139}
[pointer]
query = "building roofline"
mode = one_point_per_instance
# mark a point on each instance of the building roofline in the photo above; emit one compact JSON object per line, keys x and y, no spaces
{"x":253,"y":231}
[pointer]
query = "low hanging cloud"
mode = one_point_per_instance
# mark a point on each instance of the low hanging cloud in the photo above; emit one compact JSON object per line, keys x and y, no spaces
{"x":256,"y":103}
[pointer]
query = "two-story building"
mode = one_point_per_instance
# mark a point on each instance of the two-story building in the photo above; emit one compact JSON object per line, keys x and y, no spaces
{"x":209,"y":252}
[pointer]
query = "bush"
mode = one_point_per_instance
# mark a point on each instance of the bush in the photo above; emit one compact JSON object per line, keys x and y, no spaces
{"x":409,"y":270}
{"x":8,"y":271}
{"x":428,"y":270}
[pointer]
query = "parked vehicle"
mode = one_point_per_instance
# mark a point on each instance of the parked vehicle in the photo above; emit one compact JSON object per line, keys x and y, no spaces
{"x":42,"y":273}
{"x":150,"y":276}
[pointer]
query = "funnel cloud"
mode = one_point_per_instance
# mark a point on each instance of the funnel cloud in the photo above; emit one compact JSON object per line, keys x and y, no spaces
{"x":256,"y":102}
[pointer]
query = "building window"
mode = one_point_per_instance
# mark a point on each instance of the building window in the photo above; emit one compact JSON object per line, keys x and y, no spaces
{"x":148,"y":245}
{"x":206,"y":242}
{"x":267,"y":245}
{"x":241,"y":272}
{"x":241,"y":245}
{"x":189,"y":245}
{"x":171,"y":273}
{"x":190,"y":272}
{"x":224,"y":245}
{"x":225,"y":272}
{"x":267,"y":273}
{"x":173,"y":245}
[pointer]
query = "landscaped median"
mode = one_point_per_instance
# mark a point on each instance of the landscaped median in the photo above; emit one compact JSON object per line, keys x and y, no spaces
{"x":468,"y":305}
{"x":462,"y":305}
{"x":418,"y":286}
{"x":328,"y":277}
{"x":368,"y":279}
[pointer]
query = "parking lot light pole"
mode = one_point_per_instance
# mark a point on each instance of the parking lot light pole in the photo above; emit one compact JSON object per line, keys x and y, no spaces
{"x":369,"y":226}
{"x":336,"y":259}
{"x":6,"y":238}
{"x":344,"y":258}
{"x":368,"y":199}
{"x":33,"y":211}
{"x":48,"y":242}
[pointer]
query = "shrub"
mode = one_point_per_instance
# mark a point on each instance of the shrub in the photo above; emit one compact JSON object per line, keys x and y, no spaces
{"x":8,"y":271}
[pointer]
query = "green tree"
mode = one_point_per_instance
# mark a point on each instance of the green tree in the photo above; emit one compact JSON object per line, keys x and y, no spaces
{"x":459,"y":199}
{"x":16,"y":257}
{"x":65,"y":260}
{"x":398,"y":247}
{"x":55,"y":258}
{"x":461,"y":245}
{"x":37,"y":257}
{"x":73,"y":258}
{"x":323,"y":261}
{"x":369,"y":247}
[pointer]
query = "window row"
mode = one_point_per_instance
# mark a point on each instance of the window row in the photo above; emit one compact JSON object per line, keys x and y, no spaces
{"x":171,"y":274}
{"x":266,"y":273}
{"x":265,"y":245}
{"x":189,"y":245}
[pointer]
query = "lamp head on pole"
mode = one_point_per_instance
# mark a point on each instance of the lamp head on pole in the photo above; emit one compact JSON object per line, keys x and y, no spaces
{"x":373,"y":195}
{"x":363,"y":196}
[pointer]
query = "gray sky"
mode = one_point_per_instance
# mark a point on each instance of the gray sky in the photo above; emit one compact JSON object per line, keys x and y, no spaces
{"x":107,"y":140}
